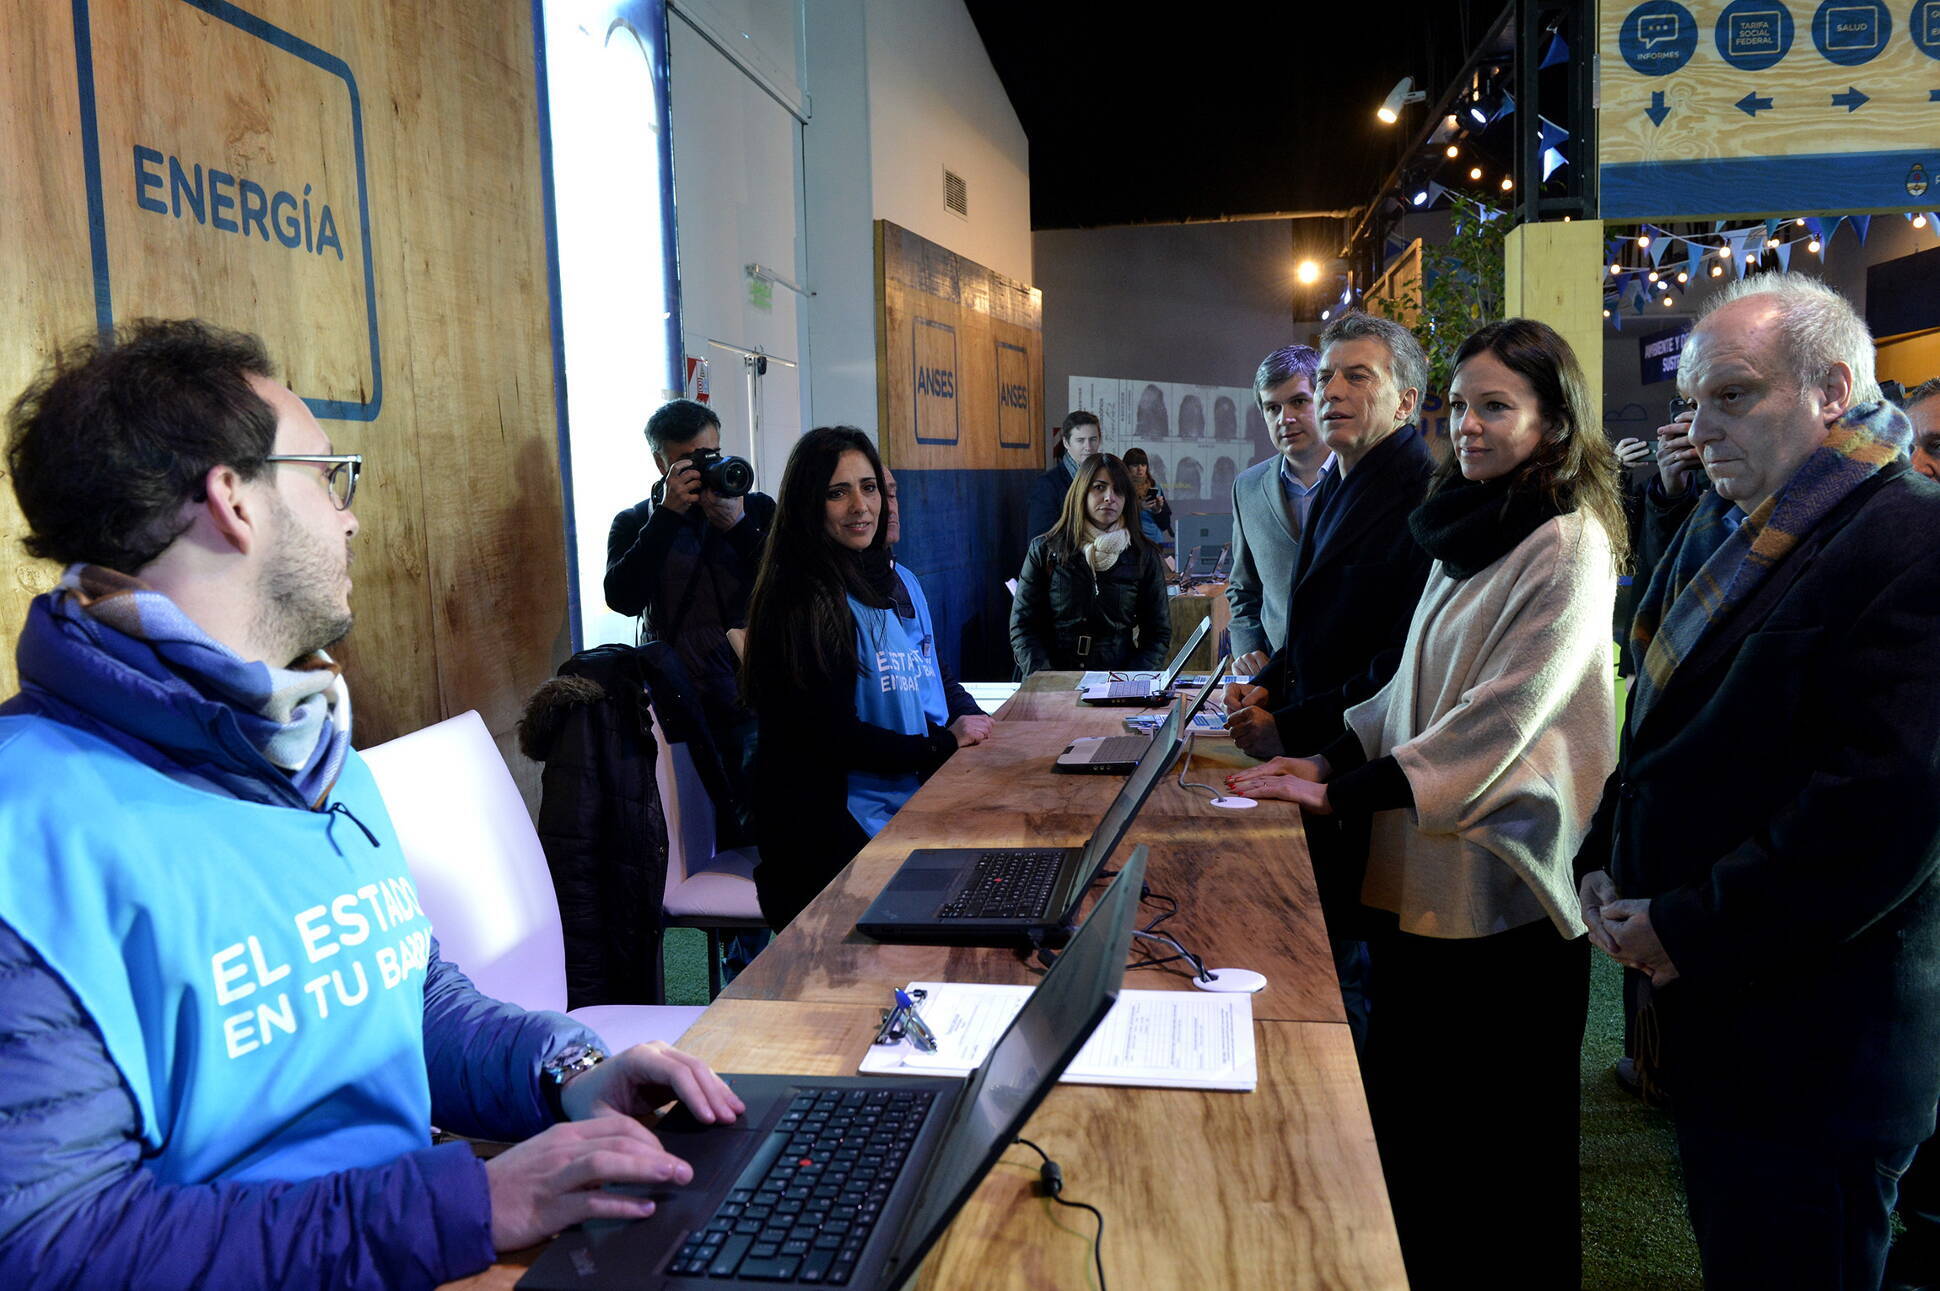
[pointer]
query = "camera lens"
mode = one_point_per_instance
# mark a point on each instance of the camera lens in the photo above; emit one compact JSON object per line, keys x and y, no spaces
{"x":728,"y":477}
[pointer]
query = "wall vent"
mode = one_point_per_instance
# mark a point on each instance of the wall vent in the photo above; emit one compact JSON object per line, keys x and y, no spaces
{"x":956,"y":194}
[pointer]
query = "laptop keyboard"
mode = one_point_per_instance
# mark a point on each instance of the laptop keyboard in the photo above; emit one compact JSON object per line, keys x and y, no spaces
{"x":805,"y":1204}
{"x":1129,"y":689}
{"x":1120,"y":748}
{"x":1007,"y":885}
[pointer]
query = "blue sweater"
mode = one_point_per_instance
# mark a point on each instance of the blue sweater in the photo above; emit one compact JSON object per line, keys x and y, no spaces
{"x":101,"y":1183}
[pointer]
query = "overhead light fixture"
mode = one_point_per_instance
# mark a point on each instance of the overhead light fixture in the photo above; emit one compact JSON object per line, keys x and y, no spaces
{"x":1403,"y":93}
{"x":1307,"y":273}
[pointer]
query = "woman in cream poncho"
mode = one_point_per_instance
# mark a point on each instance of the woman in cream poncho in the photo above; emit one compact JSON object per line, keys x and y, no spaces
{"x":1481,"y":763}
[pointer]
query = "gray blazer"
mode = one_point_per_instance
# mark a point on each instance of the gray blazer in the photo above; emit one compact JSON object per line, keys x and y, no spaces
{"x":1266,"y":548}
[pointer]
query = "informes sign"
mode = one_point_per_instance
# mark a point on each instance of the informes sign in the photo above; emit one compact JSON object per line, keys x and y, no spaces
{"x":249,"y":209}
{"x":1660,"y":352}
{"x":1197,"y":437}
{"x":1749,"y":107}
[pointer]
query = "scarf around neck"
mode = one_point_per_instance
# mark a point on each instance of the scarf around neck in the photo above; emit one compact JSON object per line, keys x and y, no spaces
{"x":1102,"y":548}
{"x":126,"y":657}
{"x":1712,"y":568}
{"x":1468,"y":526}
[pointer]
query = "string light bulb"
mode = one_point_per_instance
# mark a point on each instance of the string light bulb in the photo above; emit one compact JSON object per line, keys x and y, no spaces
{"x":1606,"y":313}
{"x":1615,"y":269}
{"x":1771,"y":244}
{"x":1652,"y":276}
{"x":1643,"y":240}
{"x":1800,"y":221}
{"x":1717,"y":271}
{"x":1682,"y":277}
{"x":1475,"y":172}
{"x":1507,"y":183}
{"x":1814,"y":246}
{"x":1920,"y":220}
{"x":1452,"y":152}
{"x":1668,"y":302}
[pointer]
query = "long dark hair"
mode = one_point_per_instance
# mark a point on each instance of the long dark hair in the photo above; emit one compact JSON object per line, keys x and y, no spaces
{"x":1573,"y":466}
{"x":1068,"y":534}
{"x":801,"y":634}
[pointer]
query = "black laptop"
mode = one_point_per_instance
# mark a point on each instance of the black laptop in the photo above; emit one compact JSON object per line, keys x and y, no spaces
{"x":1011,"y":896}
{"x":1149,"y":690}
{"x":846,"y":1181}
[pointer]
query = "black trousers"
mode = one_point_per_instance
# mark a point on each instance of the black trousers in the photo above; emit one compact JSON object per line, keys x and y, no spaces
{"x":1472,"y":1078}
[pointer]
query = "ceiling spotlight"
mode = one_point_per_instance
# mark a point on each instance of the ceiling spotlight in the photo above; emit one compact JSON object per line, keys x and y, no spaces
{"x":1307,"y":273}
{"x":1421,"y":197}
{"x":1475,"y":172}
{"x":1326,"y":314}
{"x":1643,"y":240}
{"x":1404,"y":92}
{"x":1507,"y":183}
{"x":1451,"y":152}
{"x":1663,"y":286}
{"x":1477,"y":115}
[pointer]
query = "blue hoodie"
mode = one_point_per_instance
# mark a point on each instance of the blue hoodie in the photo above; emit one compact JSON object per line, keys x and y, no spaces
{"x":231,"y":1027}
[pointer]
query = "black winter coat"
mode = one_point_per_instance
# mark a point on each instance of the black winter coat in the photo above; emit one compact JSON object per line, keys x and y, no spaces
{"x":1066,"y":617}
{"x":602,"y":824}
{"x":1777,"y":808}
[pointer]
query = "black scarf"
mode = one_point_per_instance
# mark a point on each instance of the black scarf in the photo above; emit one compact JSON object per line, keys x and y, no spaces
{"x":1469,"y":526}
{"x":873,"y":569}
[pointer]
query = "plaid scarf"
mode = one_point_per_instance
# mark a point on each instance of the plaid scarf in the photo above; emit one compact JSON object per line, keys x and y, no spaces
{"x":1711,"y":569}
{"x":285,"y":714}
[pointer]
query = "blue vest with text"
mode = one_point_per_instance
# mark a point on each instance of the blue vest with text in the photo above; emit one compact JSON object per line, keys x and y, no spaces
{"x":900,"y":690}
{"x":256,"y":972}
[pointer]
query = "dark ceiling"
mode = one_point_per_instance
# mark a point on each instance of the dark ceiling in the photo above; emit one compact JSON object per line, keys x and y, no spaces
{"x":1221,"y":109}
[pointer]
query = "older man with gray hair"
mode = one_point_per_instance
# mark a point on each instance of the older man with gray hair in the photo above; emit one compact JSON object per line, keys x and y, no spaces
{"x":1768,"y":849}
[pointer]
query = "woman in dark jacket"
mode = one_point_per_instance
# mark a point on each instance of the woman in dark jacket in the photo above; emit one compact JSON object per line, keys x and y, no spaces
{"x":1092,"y":591}
{"x":845,"y":689}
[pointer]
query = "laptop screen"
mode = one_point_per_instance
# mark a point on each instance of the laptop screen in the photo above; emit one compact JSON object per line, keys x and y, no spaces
{"x":1178,"y":664}
{"x":1047,"y":1033}
{"x":1132,"y":795}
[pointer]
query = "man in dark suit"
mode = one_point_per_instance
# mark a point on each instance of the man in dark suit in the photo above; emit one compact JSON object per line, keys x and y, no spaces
{"x":1082,"y":436}
{"x":1768,"y":849}
{"x":1359,"y":575}
{"x":1271,"y":500}
{"x":1360,"y":570}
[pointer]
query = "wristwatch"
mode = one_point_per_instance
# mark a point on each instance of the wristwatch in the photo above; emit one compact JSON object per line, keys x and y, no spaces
{"x":562,"y":1067}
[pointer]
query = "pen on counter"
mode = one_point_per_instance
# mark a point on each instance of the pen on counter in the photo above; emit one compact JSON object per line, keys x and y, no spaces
{"x":919,"y":1031}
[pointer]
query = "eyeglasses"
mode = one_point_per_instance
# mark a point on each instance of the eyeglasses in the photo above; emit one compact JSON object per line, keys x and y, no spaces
{"x":340,"y":473}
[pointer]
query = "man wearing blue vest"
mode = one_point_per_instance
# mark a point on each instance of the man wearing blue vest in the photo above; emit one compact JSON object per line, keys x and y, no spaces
{"x":228,"y":1025}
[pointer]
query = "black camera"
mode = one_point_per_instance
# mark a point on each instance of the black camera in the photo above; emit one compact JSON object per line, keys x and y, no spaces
{"x":723,"y":475}
{"x":1681,"y":405}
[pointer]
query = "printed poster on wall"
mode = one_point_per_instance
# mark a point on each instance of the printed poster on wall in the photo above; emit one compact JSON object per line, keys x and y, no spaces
{"x":1198,"y":437}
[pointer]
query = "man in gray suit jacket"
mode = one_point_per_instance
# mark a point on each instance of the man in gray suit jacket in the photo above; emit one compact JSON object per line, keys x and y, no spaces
{"x":1270,"y":504}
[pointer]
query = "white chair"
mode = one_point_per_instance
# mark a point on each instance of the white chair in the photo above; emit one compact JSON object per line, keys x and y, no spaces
{"x":707,"y":889}
{"x":482,"y":877}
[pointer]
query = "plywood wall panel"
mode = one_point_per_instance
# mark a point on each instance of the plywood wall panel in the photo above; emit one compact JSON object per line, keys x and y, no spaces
{"x":438,"y":237}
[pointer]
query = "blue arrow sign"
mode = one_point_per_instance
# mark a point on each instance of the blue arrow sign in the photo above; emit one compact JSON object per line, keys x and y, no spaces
{"x":1850,"y":100}
{"x":1751,"y":105}
{"x":1657,"y":111}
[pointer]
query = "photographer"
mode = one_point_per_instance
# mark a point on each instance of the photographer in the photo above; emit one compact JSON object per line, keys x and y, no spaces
{"x":686,"y":558}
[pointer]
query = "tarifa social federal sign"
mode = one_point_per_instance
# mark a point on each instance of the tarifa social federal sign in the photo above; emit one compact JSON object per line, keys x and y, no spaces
{"x":1748,"y":107}
{"x":224,"y":160}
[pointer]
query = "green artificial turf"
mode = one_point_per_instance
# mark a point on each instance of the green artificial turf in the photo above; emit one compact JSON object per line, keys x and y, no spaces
{"x":1636,"y":1236}
{"x":685,"y":955}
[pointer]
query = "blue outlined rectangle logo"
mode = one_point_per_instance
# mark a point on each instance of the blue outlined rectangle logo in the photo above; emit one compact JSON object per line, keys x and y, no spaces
{"x":251,"y":211}
{"x":935,"y":382}
{"x":1014,"y":422}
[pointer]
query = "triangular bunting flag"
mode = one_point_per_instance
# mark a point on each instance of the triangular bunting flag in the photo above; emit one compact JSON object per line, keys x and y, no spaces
{"x":1658,"y":245}
{"x":1861,"y":223}
{"x":1785,"y":255}
{"x":1816,"y":227}
{"x":1558,"y":52}
{"x":1553,"y":160}
{"x":1771,"y":227}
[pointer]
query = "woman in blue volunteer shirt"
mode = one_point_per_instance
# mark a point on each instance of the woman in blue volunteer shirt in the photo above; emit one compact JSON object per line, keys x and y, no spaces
{"x":846,"y":692}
